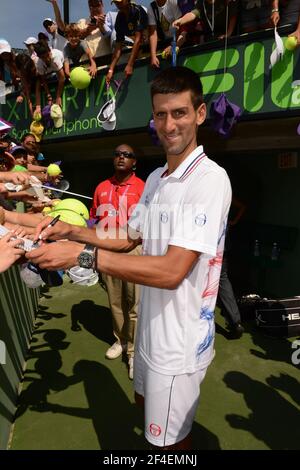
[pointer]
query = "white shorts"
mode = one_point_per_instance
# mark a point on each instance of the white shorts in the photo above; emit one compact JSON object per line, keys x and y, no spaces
{"x":170,"y":402}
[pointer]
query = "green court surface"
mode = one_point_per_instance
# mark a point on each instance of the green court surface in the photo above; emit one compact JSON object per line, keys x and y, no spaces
{"x":74,"y":398}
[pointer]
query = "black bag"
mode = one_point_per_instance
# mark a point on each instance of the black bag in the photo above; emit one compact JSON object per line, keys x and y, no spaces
{"x":279,"y":317}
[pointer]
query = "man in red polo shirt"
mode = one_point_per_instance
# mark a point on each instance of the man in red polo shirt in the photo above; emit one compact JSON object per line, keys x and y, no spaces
{"x":113,"y":203}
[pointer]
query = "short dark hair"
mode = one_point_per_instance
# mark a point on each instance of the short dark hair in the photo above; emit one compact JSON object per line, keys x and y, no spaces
{"x":41,"y":48}
{"x":28,"y":134}
{"x":176,"y":80}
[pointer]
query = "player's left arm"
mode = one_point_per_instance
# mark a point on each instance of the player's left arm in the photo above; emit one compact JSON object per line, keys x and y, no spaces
{"x":165,"y":272}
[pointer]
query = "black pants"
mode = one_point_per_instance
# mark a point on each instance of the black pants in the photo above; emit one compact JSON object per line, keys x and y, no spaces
{"x":226,"y":296}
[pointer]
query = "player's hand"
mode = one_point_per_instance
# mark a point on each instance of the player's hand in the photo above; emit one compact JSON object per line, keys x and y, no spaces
{"x":54,"y":256}
{"x":59,"y":231}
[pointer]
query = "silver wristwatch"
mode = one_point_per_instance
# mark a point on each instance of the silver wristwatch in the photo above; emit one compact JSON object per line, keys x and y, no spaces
{"x":86,"y":259}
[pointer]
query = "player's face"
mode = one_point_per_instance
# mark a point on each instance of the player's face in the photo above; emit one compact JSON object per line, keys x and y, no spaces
{"x":176,"y":121}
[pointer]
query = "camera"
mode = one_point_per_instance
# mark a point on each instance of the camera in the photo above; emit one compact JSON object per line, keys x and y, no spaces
{"x":93,"y":20}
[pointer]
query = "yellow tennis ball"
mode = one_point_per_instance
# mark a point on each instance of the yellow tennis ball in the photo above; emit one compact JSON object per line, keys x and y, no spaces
{"x":163,"y":55}
{"x":53,"y":169}
{"x":46,"y":210}
{"x":37,"y":116}
{"x":54,"y":202}
{"x":80,"y":78}
{"x":291,"y":43}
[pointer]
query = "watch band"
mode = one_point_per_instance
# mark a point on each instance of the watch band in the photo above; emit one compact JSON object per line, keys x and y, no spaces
{"x":96,"y":260}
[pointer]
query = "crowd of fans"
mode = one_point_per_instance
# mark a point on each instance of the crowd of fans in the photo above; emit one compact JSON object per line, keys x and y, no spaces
{"x":103,"y":33}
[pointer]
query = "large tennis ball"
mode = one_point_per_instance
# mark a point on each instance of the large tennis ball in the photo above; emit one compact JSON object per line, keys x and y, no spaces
{"x":73,"y":205}
{"x":80,"y":78}
{"x":70,"y":217}
{"x":53,"y":169}
{"x":291,"y":43}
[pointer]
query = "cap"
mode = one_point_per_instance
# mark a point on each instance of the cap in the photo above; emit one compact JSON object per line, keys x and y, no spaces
{"x":18,"y":149}
{"x":46,"y":114}
{"x":57,"y":115}
{"x":40,"y":157}
{"x":106,"y":116}
{"x":30,"y":40}
{"x":116,"y":1}
{"x":47,"y":21}
{"x":110,"y":124}
{"x":37,"y":129}
{"x":4,"y":46}
{"x":83,"y":276}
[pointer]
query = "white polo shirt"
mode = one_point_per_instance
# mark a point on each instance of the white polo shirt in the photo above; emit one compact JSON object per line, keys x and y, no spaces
{"x":188,"y":208}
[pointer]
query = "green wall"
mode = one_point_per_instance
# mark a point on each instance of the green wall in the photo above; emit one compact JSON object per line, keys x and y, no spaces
{"x":17,"y":310}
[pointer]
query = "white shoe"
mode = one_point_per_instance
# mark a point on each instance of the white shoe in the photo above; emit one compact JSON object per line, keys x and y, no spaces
{"x":130,"y":368}
{"x":115,"y":350}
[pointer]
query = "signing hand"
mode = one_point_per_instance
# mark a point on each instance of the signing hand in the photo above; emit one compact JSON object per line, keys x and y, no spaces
{"x":59,"y":231}
{"x":53,"y":256}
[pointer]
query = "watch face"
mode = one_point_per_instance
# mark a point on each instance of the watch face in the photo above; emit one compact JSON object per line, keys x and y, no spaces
{"x":85,"y":260}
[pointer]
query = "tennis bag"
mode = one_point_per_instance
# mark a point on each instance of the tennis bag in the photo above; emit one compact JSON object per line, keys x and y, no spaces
{"x":279,"y":317}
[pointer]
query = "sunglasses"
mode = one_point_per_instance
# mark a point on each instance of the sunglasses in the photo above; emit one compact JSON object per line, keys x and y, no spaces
{"x":119,"y":153}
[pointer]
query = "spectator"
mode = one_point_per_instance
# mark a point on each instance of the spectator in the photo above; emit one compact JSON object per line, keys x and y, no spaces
{"x":8,"y":69}
{"x":93,"y":29}
{"x":20,"y":155}
{"x":296,"y":33}
{"x":255,"y":15}
{"x":56,"y":35}
{"x":28,"y":75}
{"x":43,"y":37}
{"x":50,"y":61}
{"x":7,"y":161}
{"x":29,"y":43}
{"x":131,"y":21}
{"x":287,"y":12}
{"x":114,"y":198}
{"x":161,"y":15}
{"x":226,"y":297}
{"x":34,"y":157}
{"x":213,"y":15}
{"x":75,"y":49}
